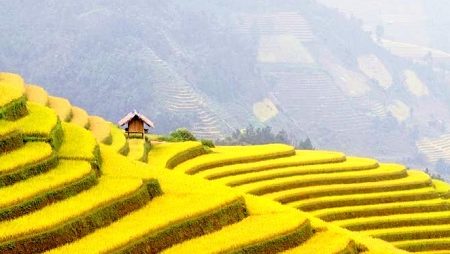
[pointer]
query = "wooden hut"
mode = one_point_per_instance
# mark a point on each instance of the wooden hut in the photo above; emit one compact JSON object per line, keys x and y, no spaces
{"x":135,"y":123}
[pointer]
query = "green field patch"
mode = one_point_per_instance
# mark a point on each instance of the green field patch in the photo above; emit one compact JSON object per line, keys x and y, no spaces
{"x":384,"y":172}
{"x":301,"y":158}
{"x":350,"y":164}
{"x":10,"y":140}
{"x":415,"y":179}
{"x":222,"y":156}
{"x":67,"y":179}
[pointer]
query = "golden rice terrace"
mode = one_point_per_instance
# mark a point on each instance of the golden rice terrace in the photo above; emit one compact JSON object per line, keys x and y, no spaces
{"x":72,"y":183}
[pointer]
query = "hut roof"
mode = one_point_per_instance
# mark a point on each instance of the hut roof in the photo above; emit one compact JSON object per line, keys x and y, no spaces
{"x":130,"y":116}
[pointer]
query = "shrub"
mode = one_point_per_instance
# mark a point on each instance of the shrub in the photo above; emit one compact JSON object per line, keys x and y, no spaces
{"x":179,"y":135}
{"x":208,"y":143}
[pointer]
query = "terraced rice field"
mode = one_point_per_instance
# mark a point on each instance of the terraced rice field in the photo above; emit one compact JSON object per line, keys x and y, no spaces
{"x":63,"y":190}
{"x":386,"y":201}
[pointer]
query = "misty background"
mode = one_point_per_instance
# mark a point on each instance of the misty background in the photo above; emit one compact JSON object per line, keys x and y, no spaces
{"x":370,"y":78}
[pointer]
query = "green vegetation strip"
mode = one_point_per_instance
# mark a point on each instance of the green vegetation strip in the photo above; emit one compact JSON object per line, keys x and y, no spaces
{"x":10,"y":141}
{"x":73,"y":218}
{"x":15,"y":109}
{"x":355,"y":211}
{"x":66,"y":180}
{"x":29,"y":160}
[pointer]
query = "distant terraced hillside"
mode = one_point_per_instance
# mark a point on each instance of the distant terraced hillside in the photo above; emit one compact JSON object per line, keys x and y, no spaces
{"x":65,"y":189}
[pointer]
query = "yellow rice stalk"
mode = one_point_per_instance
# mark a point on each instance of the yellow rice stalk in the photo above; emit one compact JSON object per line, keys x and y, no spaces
{"x":101,"y":129}
{"x":351,"y":164}
{"x":365,"y":199}
{"x":37,"y":94}
{"x":413,"y":180}
{"x":66,"y":172}
{"x":107,"y":191}
{"x":255,"y":229}
{"x":325,"y":242}
{"x":301,"y":158}
{"x":428,"y":246}
{"x":118,"y":138}
{"x":136,"y":149}
{"x":410,"y":233}
{"x":11,"y":87}
{"x":39,"y":121}
{"x":28,"y":154}
{"x":354,"y":211}
{"x":233,"y":155}
{"x":7,"y":128}
{"x":80,"y":117}
{"x":384,"y":172}
{"x":78,"y":144}
{"x":396,"y":220}
{"x":62,"y":107}
{"x":161,"y":153}
{"x":442,"y":188}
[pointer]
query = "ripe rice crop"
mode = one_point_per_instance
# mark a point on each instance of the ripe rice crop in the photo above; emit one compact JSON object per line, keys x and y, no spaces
{"x":29,"y":154}
{"x":355,"y":211}
{"x":101,"y":129}
{"x":275,"y":232}
{"x":12,"y":101}
{"x":432,"y":245}
{"x":119,"y":141}
{"x":410,"y":232}
{"x":80,"y":117}
{"x":232,"y":155}
{"x":301,"y":158}
{"x":79,"y":144}
{"x":385,"y":172}
{"x":62,"y":107}
{"x":415,"y":179}
{"x":364,"y":199}
{"x":66,"y":179}
{"x":326,"y":242}
{"x":397,"y":220}
{"x":137,"y":150}
{"x":74,"y":217}
{"x":170,"y":154}
{"x":11,"y":88}
{"x":161,"y":223}
{"x":37,"y":94}
{"x":351,"y":164}
{"x":442,"y":188}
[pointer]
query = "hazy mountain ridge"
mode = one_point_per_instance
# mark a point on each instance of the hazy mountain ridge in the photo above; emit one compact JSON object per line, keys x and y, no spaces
{"x":214,"y":67}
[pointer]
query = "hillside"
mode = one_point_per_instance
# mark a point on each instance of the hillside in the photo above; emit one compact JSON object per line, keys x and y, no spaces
{"x":215,"y":67}
{"x":67,"y":190}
